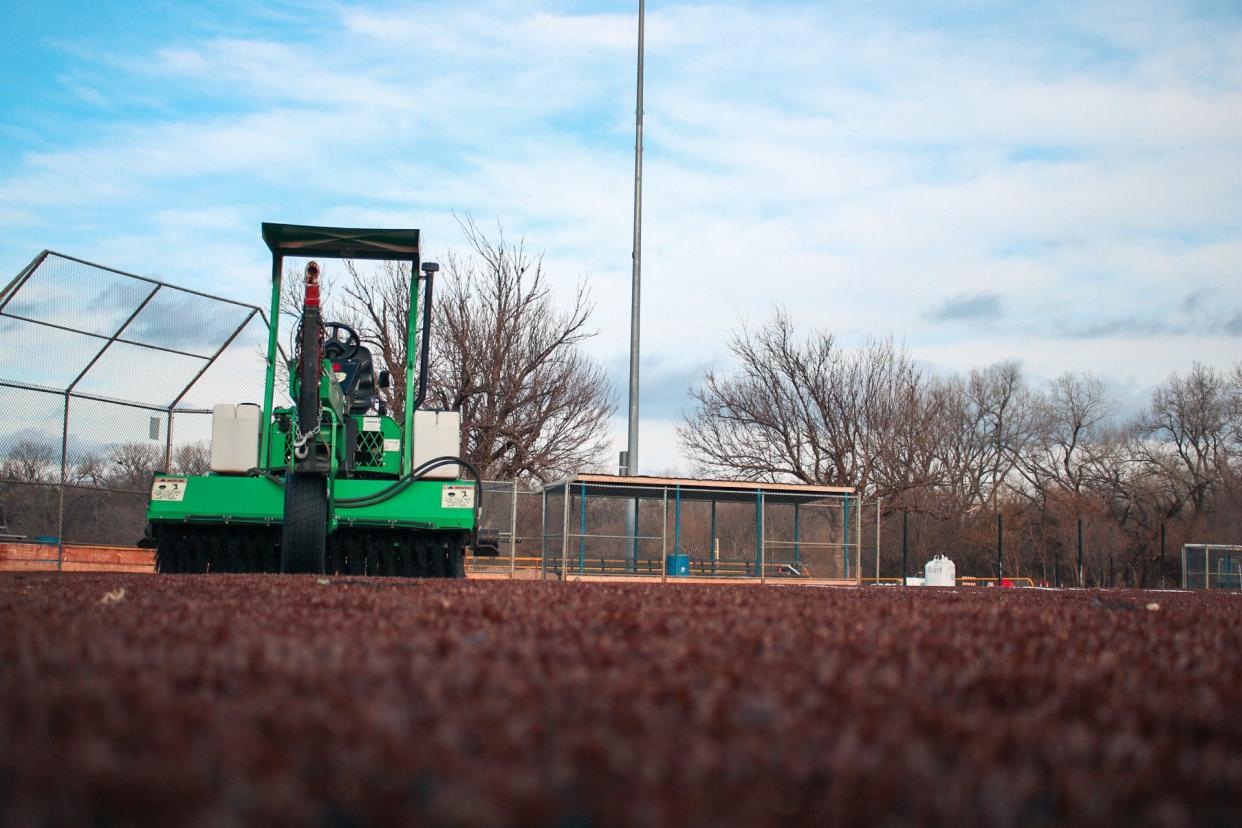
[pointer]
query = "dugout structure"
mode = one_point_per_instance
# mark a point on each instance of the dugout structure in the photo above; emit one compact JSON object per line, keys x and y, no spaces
{"x":604,"y":525}
{"x":1211,"y":566}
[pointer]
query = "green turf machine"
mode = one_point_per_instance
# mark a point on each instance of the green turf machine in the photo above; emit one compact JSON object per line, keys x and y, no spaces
{"x":332,"y":483}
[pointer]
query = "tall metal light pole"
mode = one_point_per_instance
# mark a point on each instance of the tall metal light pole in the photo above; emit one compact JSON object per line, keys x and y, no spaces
{"x":631,"y":461}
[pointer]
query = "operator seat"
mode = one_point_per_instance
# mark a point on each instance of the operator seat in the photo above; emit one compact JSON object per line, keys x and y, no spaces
{"x":360,"y":383}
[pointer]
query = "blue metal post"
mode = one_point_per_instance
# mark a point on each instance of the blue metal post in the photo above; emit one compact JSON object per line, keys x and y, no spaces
{"x":797,"y":526}
{"x":677,"y":520}
{"x":581,"y":526}
{"x":713,"y":542}
{"x":634,"y":541}
{"x":846,"y":550}
{"x":758,"y":530}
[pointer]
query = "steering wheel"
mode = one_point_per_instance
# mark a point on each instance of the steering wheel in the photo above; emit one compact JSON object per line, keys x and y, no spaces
{"x":334,"y":347}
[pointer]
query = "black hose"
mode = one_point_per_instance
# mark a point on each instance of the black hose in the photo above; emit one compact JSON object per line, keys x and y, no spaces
{"x":397,"y":485}
{"x":415,"y":474}
{"x":400,"y":485}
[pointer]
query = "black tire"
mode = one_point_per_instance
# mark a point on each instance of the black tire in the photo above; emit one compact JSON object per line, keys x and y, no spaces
{"x":304,"y":536}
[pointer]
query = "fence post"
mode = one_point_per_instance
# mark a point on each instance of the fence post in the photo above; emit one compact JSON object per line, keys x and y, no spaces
{"x":714,"y":545}
{"x":581,"y":527}
{"x":1080,"y":584}
{"x":878,"y":500}
{"x":860,"y":539}
{"x":1162,"y":554}
{"x":513,"y":533}
{"x":637,"y":526}
{"x":797,"y":534}
{"x":905,"y":544}
{"x":677,"y":522}
{"x":759,"y":531}
{"x":168,"y":444}
{"x":1000,"y":548}
{"x":845,"y":537}
{"x":565,"y":492}
{"x":664,"y":539}
{"x":763,"y":547}
{"x":543,"y":530}
{"x":64,"y":475}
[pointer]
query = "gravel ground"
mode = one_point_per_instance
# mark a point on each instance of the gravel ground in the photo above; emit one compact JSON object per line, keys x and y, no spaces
{"x":218,"y":700}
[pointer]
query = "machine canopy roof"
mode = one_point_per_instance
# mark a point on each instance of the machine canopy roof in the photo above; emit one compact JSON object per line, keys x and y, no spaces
{"x":341,"y":242}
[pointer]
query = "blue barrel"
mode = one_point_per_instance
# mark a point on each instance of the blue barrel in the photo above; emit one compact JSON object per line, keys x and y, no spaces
{"x":677,"y":565}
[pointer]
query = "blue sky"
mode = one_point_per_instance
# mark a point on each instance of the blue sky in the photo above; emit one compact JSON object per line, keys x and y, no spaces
{"x":1057,"y":183}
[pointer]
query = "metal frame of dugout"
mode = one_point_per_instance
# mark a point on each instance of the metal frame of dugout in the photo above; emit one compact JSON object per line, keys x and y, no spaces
{"x":607,"y":525}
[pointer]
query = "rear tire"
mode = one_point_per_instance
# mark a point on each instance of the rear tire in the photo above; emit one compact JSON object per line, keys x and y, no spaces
{"x":304,"y":537}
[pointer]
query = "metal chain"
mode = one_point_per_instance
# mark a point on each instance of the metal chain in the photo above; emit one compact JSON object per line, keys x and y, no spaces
{"x":301,"y":438}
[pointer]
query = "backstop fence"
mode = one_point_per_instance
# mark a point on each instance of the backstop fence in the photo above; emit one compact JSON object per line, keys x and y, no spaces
{"x":108,"y":376}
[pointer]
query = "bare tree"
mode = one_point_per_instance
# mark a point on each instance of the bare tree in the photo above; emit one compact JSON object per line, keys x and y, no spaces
{"x":379,"y":300}
{"x":132,"y":466}
{"x":30,"y":461}
{"x":807,"y":410}
{"x":1068,"y":420}
{"x":192,"y":458}
{"x":1188,"y":431}
{"x":533,"y":404}
{"x":29,"y":509}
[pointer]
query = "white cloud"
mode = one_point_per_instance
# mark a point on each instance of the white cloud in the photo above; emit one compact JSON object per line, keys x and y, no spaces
{"x":857,"y":165}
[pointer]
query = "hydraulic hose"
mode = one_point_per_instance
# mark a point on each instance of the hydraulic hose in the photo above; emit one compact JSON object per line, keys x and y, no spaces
{"x":400,"y":485}
{"x":415,"y":474}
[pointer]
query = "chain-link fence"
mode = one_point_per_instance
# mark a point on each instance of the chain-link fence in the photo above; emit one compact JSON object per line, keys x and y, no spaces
{"x":1211,"y":566}
{"x":108,"y":377}
{"x":714,"y":529}
{"x":1025,"y":546}
{"x":514,"y":512}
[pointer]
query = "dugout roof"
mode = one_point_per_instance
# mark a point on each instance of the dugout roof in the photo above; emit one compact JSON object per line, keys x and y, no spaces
{"x":720,"y":491}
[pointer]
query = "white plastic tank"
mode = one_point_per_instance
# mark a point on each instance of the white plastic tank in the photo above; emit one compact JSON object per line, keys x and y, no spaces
{"x":940,"y":571}
{"x":437,"y":434}
{"x":234,"y":438}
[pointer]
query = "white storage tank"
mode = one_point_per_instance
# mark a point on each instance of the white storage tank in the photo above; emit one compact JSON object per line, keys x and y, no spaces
{"x":234,"y":438}
{"x":940,"y":571}
{"x":437,"y":434}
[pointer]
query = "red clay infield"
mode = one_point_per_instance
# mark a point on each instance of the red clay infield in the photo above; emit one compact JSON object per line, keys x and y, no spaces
{"x":217,"y":700}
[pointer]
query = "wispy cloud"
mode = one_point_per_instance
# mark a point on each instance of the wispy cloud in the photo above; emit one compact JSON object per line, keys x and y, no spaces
{"x":877,"y":169}
{"x":974,"y":307}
